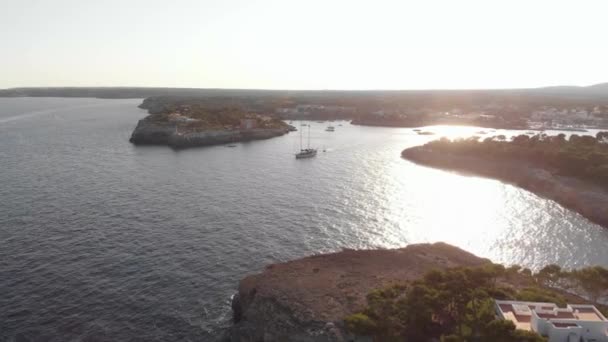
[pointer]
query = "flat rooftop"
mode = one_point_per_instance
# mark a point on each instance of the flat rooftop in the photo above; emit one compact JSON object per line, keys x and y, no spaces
{"x":520,"y":313}
{"x":521,"y":321}
{"x":587,"y":314}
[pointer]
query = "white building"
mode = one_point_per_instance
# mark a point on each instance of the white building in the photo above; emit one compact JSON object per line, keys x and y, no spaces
{"x":574,"y":323}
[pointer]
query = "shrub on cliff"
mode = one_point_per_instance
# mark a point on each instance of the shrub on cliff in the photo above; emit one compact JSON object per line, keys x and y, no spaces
{"x":589,"y":281}
{"x":593,"y":281}
{"x":500,"y":331}
{"x":458,"y":304}
{"x":537,"y":294}
{"x":504,"y":331}
{"x":452,"y":305}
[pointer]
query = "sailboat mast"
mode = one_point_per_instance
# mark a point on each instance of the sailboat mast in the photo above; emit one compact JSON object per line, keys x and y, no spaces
{"x":308,"y":136}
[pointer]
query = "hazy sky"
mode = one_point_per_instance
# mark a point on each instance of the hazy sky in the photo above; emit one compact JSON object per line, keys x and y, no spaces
{"x":308,"y":44}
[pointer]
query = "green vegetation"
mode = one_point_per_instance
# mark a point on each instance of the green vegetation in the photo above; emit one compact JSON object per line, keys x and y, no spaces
{"x":583,"y":157}
{"x":199,"y":117}
{"x":536,"y":294}
{"x":592,"y":282}
{"x":457,"y":304}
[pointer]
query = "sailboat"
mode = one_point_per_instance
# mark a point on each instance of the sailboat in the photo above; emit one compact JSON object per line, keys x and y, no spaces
{"x":306,"y":152}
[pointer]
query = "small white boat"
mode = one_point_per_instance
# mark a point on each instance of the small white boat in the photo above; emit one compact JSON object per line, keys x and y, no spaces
{"x":330,"y":129}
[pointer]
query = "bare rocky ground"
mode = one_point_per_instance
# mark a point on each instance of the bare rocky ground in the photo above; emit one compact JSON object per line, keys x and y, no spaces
{"x":307,"y":299}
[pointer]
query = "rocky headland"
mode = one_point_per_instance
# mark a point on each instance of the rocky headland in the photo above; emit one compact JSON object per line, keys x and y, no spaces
{"x":179,"y":123}
{"x":307,"y":299}
{"x":584,"y":197}
{"x":149,"y":132}
{"x":336,"y":297}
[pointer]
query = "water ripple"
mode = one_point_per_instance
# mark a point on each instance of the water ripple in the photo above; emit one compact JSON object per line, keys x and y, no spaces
{"x":104,"y":241}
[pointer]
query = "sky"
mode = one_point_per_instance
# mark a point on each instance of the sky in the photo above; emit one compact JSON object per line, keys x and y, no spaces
{"x":307,"y":44}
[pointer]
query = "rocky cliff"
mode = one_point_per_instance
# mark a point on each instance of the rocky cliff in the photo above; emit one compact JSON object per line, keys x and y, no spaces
{"x":587,"y":199}
{"x":307,"y":299}
{"x":151,"y":132}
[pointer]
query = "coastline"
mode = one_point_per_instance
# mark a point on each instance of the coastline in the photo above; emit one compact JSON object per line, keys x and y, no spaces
{"x":311,"y":298}
{"x":422,"y":123}
{"x":148,"y":132}
{"x":585,"y":198}
{"x":170,"y":122}
{"x":307,"y":299}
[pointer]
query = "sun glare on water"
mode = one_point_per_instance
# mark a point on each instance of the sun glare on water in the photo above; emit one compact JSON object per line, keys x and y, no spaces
{"x":431,"y":205}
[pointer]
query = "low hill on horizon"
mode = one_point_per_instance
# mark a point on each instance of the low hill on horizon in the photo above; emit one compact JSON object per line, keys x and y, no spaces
{"x":143,"y":92}
{"x":500,"y":101}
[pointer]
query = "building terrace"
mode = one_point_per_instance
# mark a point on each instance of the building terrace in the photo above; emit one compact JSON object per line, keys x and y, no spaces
{"x":574,"y":323}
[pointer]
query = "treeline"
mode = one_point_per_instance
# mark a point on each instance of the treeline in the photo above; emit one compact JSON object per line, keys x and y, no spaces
{"x":584,"y":157}
{"x":506,"y":105}
{"x":591,"y":282}
{"x":506,"y":120}
{"x":457,"y":304}
{"x":207,"y":117}
{"x":559,"y":97}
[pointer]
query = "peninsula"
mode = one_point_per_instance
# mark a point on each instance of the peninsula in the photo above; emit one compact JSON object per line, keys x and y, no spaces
{"x":364,"y":295}
{"x":182,"y":122}
{"x":573,"y":172}
{"x":308,"y":299}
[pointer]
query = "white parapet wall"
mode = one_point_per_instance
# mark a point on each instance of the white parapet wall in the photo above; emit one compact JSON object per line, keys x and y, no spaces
{"x":573,"y":323}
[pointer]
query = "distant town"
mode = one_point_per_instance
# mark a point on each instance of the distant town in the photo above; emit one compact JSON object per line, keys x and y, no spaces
{"x":574,"y":108}
{"x":490,"y":115}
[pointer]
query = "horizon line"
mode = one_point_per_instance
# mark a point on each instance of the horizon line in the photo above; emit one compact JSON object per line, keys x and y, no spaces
{"x":299,"y":90}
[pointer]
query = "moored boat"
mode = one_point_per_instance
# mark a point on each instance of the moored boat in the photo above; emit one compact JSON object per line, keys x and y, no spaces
{"x":307,"y":152}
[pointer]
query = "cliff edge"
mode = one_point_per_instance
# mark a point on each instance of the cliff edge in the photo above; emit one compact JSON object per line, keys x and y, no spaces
{"x":307,"y":299}
{"x":150,"y":132}
{"x":180,"y":123}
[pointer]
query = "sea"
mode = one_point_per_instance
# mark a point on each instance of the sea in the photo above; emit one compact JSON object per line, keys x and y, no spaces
{"x":101,"y":240}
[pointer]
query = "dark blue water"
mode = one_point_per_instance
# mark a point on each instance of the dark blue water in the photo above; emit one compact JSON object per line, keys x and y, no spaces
{"x":104,"y":241}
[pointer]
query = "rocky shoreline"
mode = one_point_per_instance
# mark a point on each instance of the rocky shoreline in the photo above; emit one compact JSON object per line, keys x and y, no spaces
{"x":181,"y":123}
{"x":307,"y":299}
{"x":149,"y":132}
{"x":584,"y":198}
